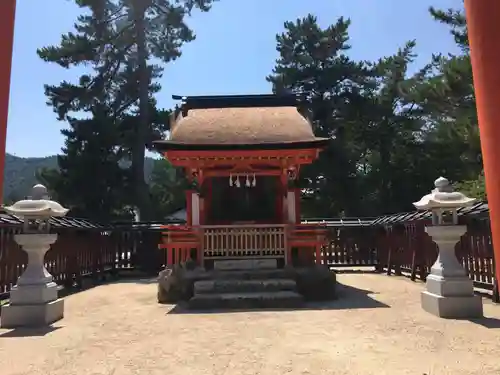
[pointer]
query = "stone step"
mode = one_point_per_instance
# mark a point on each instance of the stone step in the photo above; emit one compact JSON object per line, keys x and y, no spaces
{"x":282,"y":299}
{"x":244,"y":264}
{"x":256,"y":274}
{"x":244,"y":286}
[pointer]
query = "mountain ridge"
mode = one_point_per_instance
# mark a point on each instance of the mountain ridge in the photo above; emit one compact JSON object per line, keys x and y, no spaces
{"x":20,"y":173}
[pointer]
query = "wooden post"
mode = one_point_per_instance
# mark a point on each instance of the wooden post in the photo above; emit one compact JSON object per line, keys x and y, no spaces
{"x":317,"y":250}
{"x":484,"y":37}
{"x":170,"y":255}
{"x":288,"y":247}
{"x":7,"y":12}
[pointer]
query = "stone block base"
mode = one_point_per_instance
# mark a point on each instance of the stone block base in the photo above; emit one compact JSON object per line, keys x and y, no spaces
{"x":452,"y":307}
{"x":450,"y":286}
{"x":14,"y":316}
{"x":37,"y":294}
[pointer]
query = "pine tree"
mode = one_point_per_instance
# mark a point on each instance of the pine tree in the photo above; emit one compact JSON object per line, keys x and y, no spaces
{"x":455,"y":19}
{"x":89,"y":180}
{"x":159,"y":31}
{"x":168,"y":186}
{"x":395,"y":129}
{"x":313,"y":62}
{"x":446,"y":95}
{"x":117,"y":39}
{"x":362,"y":108}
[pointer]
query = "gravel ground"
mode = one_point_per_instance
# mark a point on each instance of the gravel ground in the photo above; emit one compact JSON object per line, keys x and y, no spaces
{"x":375,"y":327}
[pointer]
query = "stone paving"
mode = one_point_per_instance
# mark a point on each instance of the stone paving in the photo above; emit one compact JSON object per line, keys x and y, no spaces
{"x":375,"y":327}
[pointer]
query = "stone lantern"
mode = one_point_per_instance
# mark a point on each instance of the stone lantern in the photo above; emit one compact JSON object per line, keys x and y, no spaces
{"x":449,"y":291}
{"x":34,"y":299}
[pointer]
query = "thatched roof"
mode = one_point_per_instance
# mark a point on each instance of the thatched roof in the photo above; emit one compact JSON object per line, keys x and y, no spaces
{"x":242,"y":126}
{"x":239,"y":121}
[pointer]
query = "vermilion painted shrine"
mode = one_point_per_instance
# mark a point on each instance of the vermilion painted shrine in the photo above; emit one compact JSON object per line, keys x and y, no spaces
{"x":243,"y":155}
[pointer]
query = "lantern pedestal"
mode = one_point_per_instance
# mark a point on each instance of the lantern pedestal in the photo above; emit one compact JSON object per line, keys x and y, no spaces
{"x":34,"y":300}
{"x":450,"y":292}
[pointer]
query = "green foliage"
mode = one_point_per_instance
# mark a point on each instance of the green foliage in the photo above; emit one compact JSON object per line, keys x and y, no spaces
{"x":391,"y":134}
{"x":168,"y":185}
{"x":473,"y":188}
{"x":313,"y":61}
{"x":362,"y":109}
{"x":455,"y":19}
{"x":447,"y":96}
{"x":89,"y":177}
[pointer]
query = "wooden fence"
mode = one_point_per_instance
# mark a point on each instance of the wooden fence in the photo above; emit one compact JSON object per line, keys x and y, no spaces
{"x":401,"y":249}
{"x":80,"y":253}
{"x":352,"y":246}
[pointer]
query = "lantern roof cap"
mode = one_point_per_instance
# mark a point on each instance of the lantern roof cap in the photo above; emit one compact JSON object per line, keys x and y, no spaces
{"x":443,"y":197}
{"x":38,"y":206}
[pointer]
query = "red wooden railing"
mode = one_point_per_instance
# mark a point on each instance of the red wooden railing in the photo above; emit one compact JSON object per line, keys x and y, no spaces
{"x":308,"y":240}
{"x":178,"y":243}
{"x":401,"y":249}
{"x":246,"y":240}
{"x":243,"y":241}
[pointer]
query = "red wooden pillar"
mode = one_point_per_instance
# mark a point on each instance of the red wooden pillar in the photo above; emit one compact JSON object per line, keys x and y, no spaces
{"x":7,"y":12}
{"x":484,"y":37}
{"x":170,"y":253}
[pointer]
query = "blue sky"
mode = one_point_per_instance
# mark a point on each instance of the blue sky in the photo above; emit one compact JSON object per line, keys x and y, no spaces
{"x":233,"y":52}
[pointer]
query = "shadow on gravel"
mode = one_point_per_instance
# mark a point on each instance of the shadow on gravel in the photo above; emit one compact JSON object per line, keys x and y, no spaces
{"x":491,"y":323}
{"x":348,"y":297}
{"x":29,"y":332}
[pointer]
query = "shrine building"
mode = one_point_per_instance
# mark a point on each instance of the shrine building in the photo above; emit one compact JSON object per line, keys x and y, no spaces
{"x":243,"y":155}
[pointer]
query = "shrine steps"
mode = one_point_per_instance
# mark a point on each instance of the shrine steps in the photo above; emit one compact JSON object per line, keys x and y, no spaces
{"x":246,"y":292}
{"x":266,"y":300}
{"x":244,"y":286}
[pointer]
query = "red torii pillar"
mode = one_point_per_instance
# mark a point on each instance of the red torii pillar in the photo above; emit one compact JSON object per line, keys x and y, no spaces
{"x":7,"y":14}
{"x":484,"y":38}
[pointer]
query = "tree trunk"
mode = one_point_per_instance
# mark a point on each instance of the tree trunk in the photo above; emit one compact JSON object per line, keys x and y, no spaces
{"x":142,"y":197}
{"x":385,"y":178}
